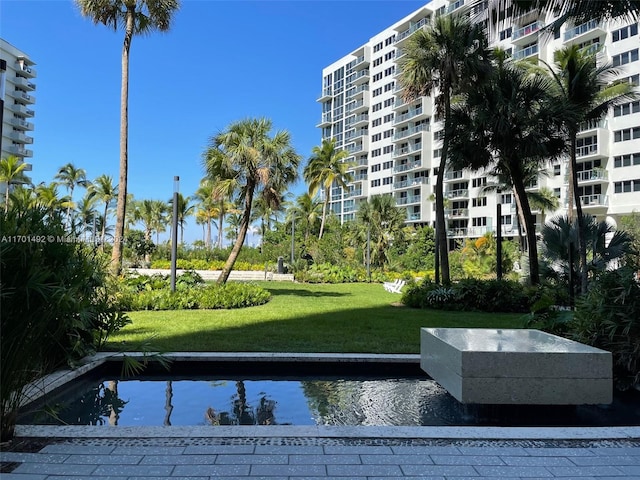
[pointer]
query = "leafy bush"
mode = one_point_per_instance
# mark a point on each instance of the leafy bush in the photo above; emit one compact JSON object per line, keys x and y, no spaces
{"x":56,"y":302}
{"x":608,"y":317}
{"x":205,"y":265}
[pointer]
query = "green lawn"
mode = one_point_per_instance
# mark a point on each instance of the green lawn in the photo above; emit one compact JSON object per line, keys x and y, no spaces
{"x":303,"y":318}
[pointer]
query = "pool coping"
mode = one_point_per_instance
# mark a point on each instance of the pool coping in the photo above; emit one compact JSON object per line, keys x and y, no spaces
{"x":50,"y":382}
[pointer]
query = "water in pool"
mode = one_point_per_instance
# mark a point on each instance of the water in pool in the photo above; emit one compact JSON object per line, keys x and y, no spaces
{"x":306,"y":400}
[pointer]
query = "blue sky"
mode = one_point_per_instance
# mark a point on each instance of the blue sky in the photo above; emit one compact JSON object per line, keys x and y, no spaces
{"x":221,"y":62}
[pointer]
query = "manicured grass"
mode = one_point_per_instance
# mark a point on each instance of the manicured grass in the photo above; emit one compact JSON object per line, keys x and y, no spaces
{"x":302,"y":318}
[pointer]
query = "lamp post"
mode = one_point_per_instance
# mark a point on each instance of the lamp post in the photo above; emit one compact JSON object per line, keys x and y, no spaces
{"x":369,"y":252}
{"x":499,"y":241}
{"x":293,"y":237}
{"x":174,"y":233}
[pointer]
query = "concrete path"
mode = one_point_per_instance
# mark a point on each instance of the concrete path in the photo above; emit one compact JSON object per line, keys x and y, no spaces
{"x":308,"y":458}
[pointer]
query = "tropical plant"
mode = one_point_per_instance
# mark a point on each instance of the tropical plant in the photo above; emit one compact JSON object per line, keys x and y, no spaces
{"x":586,"y":92}
{"x":70,"y":177}
{"x":305,"y":212}
{"x":102,"y":188}
{"x":445,"y":57}
{"x":508,"y":123}
{"x":327,"y":166}
{"x":46,"y":195}
{"x":12,"y":171}
{"x":184,"y":211}
{"x":137,"y":17}
{"x":207,"y":209}
{"x":253,"y":163}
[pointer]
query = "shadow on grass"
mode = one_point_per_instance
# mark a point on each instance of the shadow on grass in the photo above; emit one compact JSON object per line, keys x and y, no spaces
{"x":304,"y":292}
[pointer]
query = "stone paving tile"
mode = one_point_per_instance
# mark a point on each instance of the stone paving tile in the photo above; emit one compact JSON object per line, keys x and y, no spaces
{"x":560,"y":452}
{"x":78,"y":449}
{"x":396,"y":459}
{"x":607,"y":460}
{"x":630,"y":470}
{"x":289,"y":449}
{"x":437,"y":470}
{"x":523,"y":472}
{"x":178,"y":459}
{"x":514,"y":451}
{"x":360,"y":470}
{"x":252,"y":460}
{"x":467,"y":460}
{"x":104,"y":459}
{"x":32,"y":457}
{"x":324,"y":459}
{"x":425,"y":450}
{"x":537,"y":461}
{"x":595,"y":471}
{"x":214,"y":449}
{"x":615,"y":451}
{"x":137,"y":470}
{"x":356,"y":449}
{"x":289,"y":470}
{"x":166,"y":478}
{"x":319,"y":478}
{"x":24,"y":476}
{"x":90,"y":477}
{"x":213,"y":471}
{"x":55,"y":469}
{"x":149,"y":450}
{"x":409,"y":478}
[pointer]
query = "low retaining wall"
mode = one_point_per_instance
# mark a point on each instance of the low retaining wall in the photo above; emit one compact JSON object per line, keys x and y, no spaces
{"x":237,"y":275}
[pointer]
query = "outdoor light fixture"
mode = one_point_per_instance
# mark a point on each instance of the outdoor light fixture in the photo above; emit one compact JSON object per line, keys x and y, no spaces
{"x":174,"y":232}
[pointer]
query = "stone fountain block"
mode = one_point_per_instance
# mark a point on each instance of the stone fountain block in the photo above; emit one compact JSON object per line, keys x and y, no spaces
{"x":492,"y":366}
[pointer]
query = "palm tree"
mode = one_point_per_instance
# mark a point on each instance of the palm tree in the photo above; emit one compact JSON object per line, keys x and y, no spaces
{"x":103,"y":189}
{"x":12,"y":171}
{"x":254,"y":163}
{"x":160,"y":217}
{"x":87,"y":213}
{"x":184,"y":210}
{"x":137,"y":17}
{"x":207,"y":208}
{"x":587,"y":93}
{"x":70,"y":176}
{"x":47,"y":197}
{"x":306,"y":211}
{"x":385,"y":221}
{"x":326,"y":167}
{"x":446,"y":56}
{"x":508,"y":122}
{"x":222,"y":190}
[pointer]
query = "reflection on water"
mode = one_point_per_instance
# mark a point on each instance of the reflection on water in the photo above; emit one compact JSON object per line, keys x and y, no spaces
{"x":326,"y":401}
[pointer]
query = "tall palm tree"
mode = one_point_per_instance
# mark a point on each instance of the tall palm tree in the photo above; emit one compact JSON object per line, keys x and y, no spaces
{"x":11,"y":173}
{"x":385,"y":222}
{"x":160,"y":217}
{"x":207,"y":208}
{"x":326,"y":167}
{"x":217,"y":174}
{"x":254,"y":163}
{"x":137,"y":17}
{"x":444,"y":58}
{"x":47,"y":197}
{"x":103,"y":189}
{"x":587,"y":92}
{"x":305,"y":212}
{"x":184,"y":211}
{"x":508,"y":122}
{"x":70,"y":177}
{"x":87,"y":213}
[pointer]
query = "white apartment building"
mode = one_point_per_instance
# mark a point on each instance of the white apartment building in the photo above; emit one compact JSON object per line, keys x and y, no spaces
{"x":17,"y":74}
{"x":396,"y":146}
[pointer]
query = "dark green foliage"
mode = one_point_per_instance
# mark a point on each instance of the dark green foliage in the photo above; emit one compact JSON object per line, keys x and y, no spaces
{"x":56,"y":304}
{"x":137,"y":246}
{"x":153,"y":293}
{"x":470,"y":295}
{"x":608,"y":317}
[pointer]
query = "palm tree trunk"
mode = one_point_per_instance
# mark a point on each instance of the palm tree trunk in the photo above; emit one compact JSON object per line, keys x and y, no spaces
{"x":104,"y":226}
{"x":242,"y":233}
{"x":324,"y":211}
{"x":69,"y":207}
{"x":121,"y":206}
{"x":574,"y":195}
{"x":220,"y":223}
{"x":522,"y":202}
{"x":207,"y":242}
{"x":443,"y":244}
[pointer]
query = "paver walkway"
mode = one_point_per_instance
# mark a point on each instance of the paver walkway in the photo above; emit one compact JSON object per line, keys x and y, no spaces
{"x":321,"y":458}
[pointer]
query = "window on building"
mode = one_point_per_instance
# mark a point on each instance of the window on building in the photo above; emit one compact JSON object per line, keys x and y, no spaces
{"x":375,"y":168}
{"x":479,"y":202}
{"x":626,"y":134}
{"x":376,"y":153}
{"x":389,"y":102}
{"x":479,"y":182}
{"x":626,"y":109}
{"x":377,"y":122}
{"x":377,"y":47}
{"x":377,"y":76}
{"x":505,"y":219}
{"x":387,"y":165}
{"x":376,"y":138}
{"x":387,"y":180}
{"x":388,"y":118}
{"x":375,"y":183}
{"x":387,"y":149}
{"x":626,"y":57}
{"x":377,"y":91}
{"x":479,"y":221}
{"x":627,"y":186}
{"x":556,"y":192}
{"x":387,"y":133}
{"x":377,"y":61}
{"x":506,"y":33}
{"x":624,"y":32}
{"x":626,"y":160}
{"x":376,"y":107}
{"x":389,"y":86}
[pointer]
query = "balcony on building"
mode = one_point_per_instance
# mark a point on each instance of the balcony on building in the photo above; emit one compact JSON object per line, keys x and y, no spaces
{"x":357,"y":91}
{"x":19,"y":137}
{"x":526,"y":52}
{"x":19,"y":151}
{"x":457,"y":232}
{"x":23,"y":83}
{"x":455,"y":175}
{"x":413,"y":216}
{"x":357,"y":120}
{"x":590,"y":177}
{"x":533,"y":185}
{"x":348,"y":206}
{"x":20,"y":124}
{"x":594,"y":201}
{"x":358,"y":106}
{"x":325,"y":95}
{"x":412,"y":113}
{"x":459,"y":6}
{"x":25,"y":68}
{"x":360,"y":146}
{"x":457,"y":193}
{"x":356,"y":78}
{"x":479,"y":231}
{"x":584,"y":32}
{"x":21,"y":110}
{"x":407,"y":150}
{"x":355,"y":133}
{"x":355,"y":192}
{"x":527,"y":33}
{"x":23,"y":97}
{"x":412,"y":28}
{"x":325,"y":121}
{"x":410,"y":182}
{"x":407,"y":166}
{"x":359,"y":177}
{"x":411,"y":131}
{"x":408,"y":200}
{"x":457,"y":212}
{"x":596,"y":149}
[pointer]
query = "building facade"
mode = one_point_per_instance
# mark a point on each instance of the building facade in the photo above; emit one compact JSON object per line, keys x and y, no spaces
{"x":395,"y":147}
{"x":17,"y":75}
